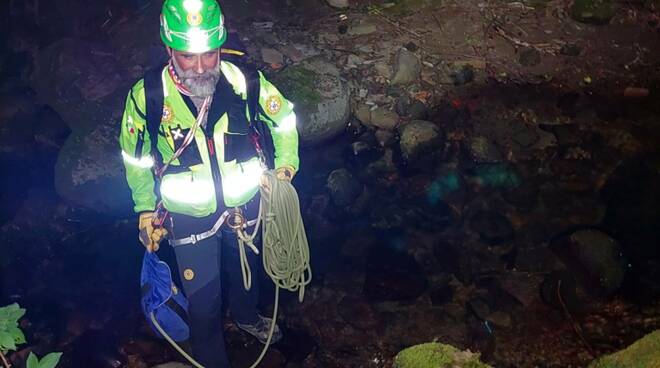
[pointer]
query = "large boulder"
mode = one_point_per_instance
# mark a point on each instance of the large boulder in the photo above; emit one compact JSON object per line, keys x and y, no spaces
{"x":644,"y":352}
{"x":89,"y":171}
{"x":594,"y":257}
{"x":321,"y":99}
{"x":437,"y":355}
{"x":86,"y":84}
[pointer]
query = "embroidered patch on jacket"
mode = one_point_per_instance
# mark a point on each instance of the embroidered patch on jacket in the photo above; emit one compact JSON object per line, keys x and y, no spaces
{"x":194,"y":19}
{"x":167,"y":114}
{"x":273,"y":105}
{"x":176,"y":134}
{"x":188,"y":274}
{"x":130,"y":125}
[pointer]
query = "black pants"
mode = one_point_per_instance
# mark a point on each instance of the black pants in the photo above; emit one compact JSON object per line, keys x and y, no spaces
{"x":200,"y":267}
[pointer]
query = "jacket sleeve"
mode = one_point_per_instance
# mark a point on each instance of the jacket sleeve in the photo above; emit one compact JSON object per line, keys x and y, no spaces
{"x":282,"y":123}
{"x":135,"y":149}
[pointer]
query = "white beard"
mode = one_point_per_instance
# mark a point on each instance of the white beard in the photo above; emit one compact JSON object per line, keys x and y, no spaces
{"x":200,"y":85}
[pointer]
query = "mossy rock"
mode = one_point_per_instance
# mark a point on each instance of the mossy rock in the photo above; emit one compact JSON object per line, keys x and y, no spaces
{"x":321,"y":99}
{"x":299,"y":85}
{"x":437,"y":355}
{"x":643,"y":353}
{"x":593,"y":11}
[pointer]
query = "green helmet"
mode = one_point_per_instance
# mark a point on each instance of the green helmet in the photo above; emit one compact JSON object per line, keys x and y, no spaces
{"x":192,"y":25}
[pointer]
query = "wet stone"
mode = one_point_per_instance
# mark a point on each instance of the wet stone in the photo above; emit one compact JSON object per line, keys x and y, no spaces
{"x":343,"y":187}
{"x":529,"y":57}
{"x":595,"y":257}
{"x":417,"y":111}
{"x":493,"y":228}
{"x":407,"y":67}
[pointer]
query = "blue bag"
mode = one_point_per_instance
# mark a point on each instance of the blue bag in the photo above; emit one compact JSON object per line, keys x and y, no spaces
{"x":162,"y":299}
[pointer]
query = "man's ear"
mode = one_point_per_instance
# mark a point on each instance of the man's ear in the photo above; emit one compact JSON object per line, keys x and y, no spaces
{"x":169,"y":50}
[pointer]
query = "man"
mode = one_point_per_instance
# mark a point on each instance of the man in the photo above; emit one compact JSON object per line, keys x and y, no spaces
{"x":216,"y":174}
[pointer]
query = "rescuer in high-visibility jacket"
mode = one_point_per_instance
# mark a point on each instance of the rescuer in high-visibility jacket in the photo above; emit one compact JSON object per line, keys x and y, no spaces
{"x":217,"y":174}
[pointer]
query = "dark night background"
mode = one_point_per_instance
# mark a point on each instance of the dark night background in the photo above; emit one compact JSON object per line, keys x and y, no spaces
{"x":483,"y":174}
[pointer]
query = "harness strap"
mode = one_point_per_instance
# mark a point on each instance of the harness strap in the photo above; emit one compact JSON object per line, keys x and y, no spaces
{"x":194,"y":238}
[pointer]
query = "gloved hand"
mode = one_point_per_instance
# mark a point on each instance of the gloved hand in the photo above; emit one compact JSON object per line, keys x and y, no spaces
{"x":150,"y":236}
{"x":285,"y":173}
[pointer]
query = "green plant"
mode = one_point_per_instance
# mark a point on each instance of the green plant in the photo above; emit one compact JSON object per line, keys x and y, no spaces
{"x":11,"y":335}
{"x":48,"y":361}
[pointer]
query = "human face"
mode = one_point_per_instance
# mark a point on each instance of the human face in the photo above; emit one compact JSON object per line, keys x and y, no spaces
{"x":199,"y":72}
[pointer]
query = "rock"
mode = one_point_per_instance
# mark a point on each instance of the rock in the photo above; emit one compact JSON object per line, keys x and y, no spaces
{"x":529,"y":57}
{"x":437,"y":355}
{"x":417,"y":111}
{"x":344,"y":189}
{"x":493,"y":228}
{"x":272,"y":56}
{"x":384,"y":119}
{"x":363,"y":27}
{"x":464,"y":75}
{"x":293,"y":53}
{"x":382,"y":167}
{"x":407,"y":68}
{"x":76,"y":78}
{"x":90,"y":172}
{"x":420,"y":137}
{"x":338,"y":3}
{"x":594,"y":257}
{"x":500,"y":319}
{"x":384,"y":137}
{"x":483,"y":150}
{"x":359,"y":313}
{"x":644,"y":352}
{"x":593,"y":11}
{"x":363,"y":113}
{"x":321,"y":99}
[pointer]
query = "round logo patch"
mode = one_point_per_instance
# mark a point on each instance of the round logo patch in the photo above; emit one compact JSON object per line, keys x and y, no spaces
{"x":188,"y":274}
{"x":194,"y":19}
{"x":273,"y":105}
{"x":167,"y":114}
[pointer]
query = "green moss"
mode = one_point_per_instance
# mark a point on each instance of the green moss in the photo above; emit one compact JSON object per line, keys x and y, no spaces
{"x":436,"y":355}
{"x":593,"y":11}
{"x":644,"y":352}
{"x":298,"y":85}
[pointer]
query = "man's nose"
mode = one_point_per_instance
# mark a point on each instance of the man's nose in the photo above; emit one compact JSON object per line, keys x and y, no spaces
{"x":198,"y":65}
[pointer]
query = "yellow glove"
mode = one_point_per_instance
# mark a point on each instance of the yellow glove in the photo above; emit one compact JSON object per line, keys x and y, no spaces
{"x":285,"y":173}
{"x":150,"y":237}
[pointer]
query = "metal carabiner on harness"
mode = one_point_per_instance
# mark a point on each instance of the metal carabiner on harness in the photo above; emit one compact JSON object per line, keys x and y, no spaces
{"x":236,"y":220}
